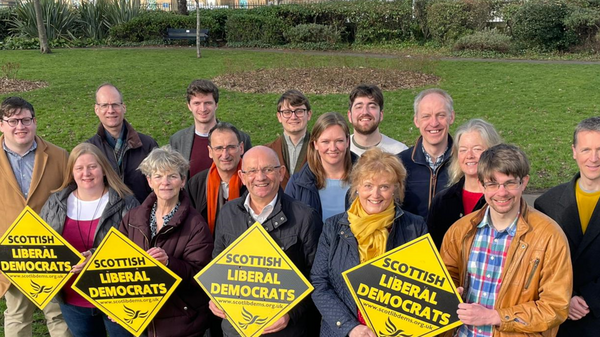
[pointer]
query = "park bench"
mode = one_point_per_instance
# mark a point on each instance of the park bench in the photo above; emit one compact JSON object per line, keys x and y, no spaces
{"x":186,"y":34}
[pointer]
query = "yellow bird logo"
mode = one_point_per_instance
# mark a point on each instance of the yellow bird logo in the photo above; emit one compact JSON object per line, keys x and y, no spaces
{"x":392,"y":330}
{"x":134,"y":314}
{"x":39,"y":289}
{"x":250,"y":319}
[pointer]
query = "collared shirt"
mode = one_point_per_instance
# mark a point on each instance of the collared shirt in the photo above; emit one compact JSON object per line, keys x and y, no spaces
{"x":264,"y":214}
{"x":439,"y":160}
{"x":293,"y":152}
{"x":484,"y":269}
{"x":22,"y":166}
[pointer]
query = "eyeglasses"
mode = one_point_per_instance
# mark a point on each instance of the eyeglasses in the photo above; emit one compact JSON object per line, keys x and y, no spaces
{"x":265,"y":170}
{"x":13,"y":122}
{"x":228,"y":148}
{"x":105,"y":106}
{"x":288,"y":113}
{"x":509,"y":185}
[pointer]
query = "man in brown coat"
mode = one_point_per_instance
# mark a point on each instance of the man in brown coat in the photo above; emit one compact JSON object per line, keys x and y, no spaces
{"x":293,"y":112}
{"x":30,"y":168}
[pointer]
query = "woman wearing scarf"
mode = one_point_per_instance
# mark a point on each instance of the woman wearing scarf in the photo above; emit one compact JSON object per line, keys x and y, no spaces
{"x":373,"y":224}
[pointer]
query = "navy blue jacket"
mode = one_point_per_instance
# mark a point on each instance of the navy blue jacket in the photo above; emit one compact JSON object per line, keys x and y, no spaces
{"x":422,"y":183}
{"x":302,"y":186}
{"x":338,"y":252}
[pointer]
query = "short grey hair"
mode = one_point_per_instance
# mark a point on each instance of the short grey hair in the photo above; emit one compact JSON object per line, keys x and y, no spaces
{"x":588,"y":124}
{"x":164,"y":159}
{"x":448,"y":101}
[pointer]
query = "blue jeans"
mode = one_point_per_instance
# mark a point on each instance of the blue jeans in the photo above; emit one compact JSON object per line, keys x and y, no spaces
{"x":90,"y":322}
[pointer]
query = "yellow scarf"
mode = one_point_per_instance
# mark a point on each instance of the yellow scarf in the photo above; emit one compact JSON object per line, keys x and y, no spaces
{"x":370,"y":230}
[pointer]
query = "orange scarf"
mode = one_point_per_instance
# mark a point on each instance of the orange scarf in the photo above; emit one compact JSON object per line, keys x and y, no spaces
{"x":213,"y":185}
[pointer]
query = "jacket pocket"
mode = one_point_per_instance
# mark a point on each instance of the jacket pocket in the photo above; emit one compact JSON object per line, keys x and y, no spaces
{"x":529,"y":278}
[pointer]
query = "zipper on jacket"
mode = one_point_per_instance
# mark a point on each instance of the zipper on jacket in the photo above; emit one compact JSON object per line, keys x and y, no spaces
{"x":535,"y":265}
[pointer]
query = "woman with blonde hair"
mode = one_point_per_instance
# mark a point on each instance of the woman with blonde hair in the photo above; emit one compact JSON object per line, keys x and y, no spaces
{"x":464,"y":194}
{"x":326,"y":175}
{"x":91,"y":200}
{"x":175,"y":234}
{"x":373,"y":224}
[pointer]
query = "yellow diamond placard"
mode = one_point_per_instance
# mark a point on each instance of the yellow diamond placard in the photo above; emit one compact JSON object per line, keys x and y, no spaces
{"x":254,"y":282}
{"x":123,"y":281}
{"x":35,"y":258}
{"x":406,"y":291}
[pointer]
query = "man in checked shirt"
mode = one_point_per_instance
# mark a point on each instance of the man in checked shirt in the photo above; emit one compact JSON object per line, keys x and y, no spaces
{"x":511,"y":262}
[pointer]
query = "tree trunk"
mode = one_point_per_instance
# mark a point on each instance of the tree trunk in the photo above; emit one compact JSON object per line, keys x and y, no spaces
{"x":182,"y":7}
{"x":44,"y":46}
{"x":198,"y":54}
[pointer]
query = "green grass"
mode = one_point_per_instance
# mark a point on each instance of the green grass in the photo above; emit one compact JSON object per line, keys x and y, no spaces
{"x":535,"y":106}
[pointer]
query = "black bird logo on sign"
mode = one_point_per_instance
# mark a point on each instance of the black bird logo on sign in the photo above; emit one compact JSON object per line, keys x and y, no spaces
{"x":392,"y":331}
{"x":134,"y":314}
{"x":250,"y":319}
{"x":39,"y":289}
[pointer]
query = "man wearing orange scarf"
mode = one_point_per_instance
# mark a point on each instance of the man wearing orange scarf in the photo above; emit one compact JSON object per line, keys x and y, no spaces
{"x":210,"y":189}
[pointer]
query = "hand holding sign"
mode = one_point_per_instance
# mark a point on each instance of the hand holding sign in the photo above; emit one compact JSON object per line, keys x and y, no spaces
{"x":477,"y":314}
{"x":216,"y":311}
{"x":79,"y":267}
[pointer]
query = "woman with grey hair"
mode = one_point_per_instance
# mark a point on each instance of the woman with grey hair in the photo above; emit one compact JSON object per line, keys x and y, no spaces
{"x":175,"y":234}
{"x":464,"y":194}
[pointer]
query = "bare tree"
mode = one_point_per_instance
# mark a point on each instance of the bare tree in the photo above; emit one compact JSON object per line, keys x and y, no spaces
{"x":44,"y":46}
{"x":198,"y":54}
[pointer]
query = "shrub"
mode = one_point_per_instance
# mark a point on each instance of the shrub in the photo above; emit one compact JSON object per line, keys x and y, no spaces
{"x":540,"y":24}
{"x":449,"y":20}
{"x":6,"y":16}
{"x":59,"y":20}
{"x":248,"y":29}
{"x":381,"y":21}
{"x":583,"y":22}
{"x":153,"y":25}
{"x":487,"y":40}
{"x":314,"y":33}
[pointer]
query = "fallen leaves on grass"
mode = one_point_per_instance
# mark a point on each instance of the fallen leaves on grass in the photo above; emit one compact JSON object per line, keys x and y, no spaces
{"x":13,"y":85}
{"x":330,"y":80}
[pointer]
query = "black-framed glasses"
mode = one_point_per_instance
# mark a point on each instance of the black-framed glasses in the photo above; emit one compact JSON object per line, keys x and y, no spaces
{"x":228,"y":148}
{"x":114,"y":106}
{"x":265,"y":170}
{"x":13,"y":122}
{"x":288,"y":113}
{"x":508,"y":185}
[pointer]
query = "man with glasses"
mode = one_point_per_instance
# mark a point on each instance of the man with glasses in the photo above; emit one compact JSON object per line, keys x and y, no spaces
{"x":30,"y":168}
{"x":293,"y":112}
{"x":294,"y":226}
{"x":192,"y":142}
{"x":511,"y":262}
{"x":365,"y":112}
{"x":121,"y":144}
{"x":210,"y":189}
{"x":574,"y":205}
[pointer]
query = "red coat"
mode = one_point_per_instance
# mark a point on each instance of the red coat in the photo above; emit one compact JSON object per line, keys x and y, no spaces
{"x":189,"y":244}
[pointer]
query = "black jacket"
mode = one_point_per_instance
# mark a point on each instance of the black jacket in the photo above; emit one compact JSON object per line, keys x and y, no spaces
{"x":422,"y":183}
{"x":295,"y":228}
{"x":447,"y":207}
{"x":138,"y":146}
{"x":560,"y":204}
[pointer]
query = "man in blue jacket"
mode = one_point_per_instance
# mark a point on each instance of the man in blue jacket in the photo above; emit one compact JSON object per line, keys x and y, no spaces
{"x":427,"y":162}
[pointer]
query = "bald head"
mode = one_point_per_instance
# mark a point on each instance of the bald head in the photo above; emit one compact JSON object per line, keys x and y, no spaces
{"x":261,"y":173}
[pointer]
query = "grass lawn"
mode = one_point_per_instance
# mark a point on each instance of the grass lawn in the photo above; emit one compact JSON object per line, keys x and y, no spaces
{"x":535,"y":106}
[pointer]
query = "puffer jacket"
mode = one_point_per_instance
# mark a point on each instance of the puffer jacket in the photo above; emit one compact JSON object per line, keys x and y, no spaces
{"x":537,"y":278}
{"x":188,"y":242}
{"x":423,"y":183}
{"x":54,"y":211}
{"x":338,"y":252}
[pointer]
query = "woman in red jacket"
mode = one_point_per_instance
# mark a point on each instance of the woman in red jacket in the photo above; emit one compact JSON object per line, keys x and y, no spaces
{"x":175,"y":234}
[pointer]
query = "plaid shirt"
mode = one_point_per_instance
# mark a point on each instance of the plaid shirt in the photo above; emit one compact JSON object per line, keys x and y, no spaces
{"x":484,"y":268}
{"x":438,"y":161}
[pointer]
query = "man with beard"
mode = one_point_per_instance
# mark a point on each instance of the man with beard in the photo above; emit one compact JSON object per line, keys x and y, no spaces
{"x":511,"y":262}
{"x":365,"y":112}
